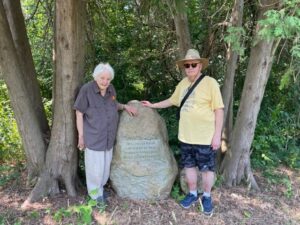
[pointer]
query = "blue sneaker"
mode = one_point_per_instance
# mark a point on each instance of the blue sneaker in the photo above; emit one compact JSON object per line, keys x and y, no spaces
{"x":188,"y":201}
{"x":207,"y":206}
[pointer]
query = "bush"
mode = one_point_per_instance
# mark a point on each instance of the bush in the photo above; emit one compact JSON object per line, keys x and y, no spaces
{"x":10,"y":142}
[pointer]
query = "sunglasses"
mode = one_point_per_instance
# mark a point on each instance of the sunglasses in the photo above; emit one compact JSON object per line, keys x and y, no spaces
{"x":187,"y":65}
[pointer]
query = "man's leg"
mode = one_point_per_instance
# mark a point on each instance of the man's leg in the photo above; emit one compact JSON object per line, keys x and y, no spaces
{"x":191,"y":177}
{"x":208,"y":178}
{"x":206,"y":158}
{"x":188,"y":162}
{"x":206,"y":200}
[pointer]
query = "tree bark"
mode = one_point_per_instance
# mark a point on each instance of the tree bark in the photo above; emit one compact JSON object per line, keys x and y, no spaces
{"x":61,"y":158}
{"x":236,"y":20}
{"x":28,"y":123}
{"x":235,"y":167}
{"x":181,"y":26}
{"x":18,"y":30}
{"x":232,"y":58}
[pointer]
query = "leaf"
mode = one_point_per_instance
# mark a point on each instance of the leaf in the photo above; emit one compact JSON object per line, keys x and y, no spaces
{"x":285,"y":80}
{"x":247,"y":214}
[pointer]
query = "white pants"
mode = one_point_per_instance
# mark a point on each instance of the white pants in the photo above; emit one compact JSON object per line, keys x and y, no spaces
{"x":97,"y":168}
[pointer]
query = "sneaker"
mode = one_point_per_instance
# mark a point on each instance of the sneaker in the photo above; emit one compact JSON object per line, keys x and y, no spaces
{"x":207,"y":206}
{"x":188,"y":201}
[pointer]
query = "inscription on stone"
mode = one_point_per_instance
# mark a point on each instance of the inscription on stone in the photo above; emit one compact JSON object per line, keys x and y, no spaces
{"x":140,"y":150}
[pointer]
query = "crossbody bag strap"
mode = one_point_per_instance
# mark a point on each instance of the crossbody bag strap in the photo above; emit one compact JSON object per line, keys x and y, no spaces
{"x":188,"y":93}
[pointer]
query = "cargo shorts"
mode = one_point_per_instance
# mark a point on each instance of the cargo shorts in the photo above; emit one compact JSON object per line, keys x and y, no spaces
{"x":201,"y":156}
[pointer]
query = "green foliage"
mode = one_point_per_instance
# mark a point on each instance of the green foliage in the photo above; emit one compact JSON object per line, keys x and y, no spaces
{"x":235,"y":37}
{"x":286,"y":80}
{"x":83,"y":212}
{"x":61,"y":213}
{"x":277,"y":140}
{"x":289,"y":193}
{"x":135,"y":45}
{"x":10,"y":143}
{"x":247,"y":214}
{"x":283,"y":23}
{"x":39,"y":19}
{"x":169,"y":116}
{"x":277,"y":137}
{"x":176,"y":192}
{"x":9,"y":172}
{"x":278,"y":24}
{"x":34,"y":215}
{"x":4,"y":220}
{"x":219,"y":181}
{"x":276,"y":178}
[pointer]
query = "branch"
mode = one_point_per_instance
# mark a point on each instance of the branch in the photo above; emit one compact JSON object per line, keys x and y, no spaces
{"x":34,"y":12}
{"x":218,"y":10}
{"x":265,"y":6}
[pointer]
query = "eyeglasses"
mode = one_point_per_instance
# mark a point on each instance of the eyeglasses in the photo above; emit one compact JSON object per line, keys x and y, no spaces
{"x":187,"y":65}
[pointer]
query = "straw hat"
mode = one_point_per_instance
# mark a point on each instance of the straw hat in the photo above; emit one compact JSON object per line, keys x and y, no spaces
{"x":193,"y":54}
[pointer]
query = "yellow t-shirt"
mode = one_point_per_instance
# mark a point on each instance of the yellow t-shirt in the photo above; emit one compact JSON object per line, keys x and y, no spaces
{"x":197,"y":117}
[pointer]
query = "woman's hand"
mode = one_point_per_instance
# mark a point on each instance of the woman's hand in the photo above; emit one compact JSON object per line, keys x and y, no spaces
{"x":80,"y":143}
{"x":132,"y":111}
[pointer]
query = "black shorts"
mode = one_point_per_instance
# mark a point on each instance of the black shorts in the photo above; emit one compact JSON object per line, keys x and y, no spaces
{"x":198,"y":155}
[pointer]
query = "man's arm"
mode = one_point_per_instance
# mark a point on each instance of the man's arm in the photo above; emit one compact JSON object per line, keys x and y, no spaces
{"x":216,"y":141}
{"x":79,"y":124}
{"x":158,"y":105}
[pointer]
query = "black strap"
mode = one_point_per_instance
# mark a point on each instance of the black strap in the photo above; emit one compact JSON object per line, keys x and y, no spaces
{"x":188,"y":94}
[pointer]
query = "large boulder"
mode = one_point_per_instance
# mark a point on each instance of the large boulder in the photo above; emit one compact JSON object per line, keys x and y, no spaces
{"x":143,"y":167}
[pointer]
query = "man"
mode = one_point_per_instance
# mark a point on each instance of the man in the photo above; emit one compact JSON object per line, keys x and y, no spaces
{"x":97,"y":120}
{"x":200,"y":127}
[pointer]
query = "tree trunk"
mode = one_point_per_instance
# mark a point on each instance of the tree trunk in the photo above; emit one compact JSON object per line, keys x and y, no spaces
{"x":61,"y":158}
{"x":18,"y":30}
{"x":227,"y":89}
{"x":236,"y":164}
{"x":25,"y":115}
{"x":232,"y":58}
{"x":181,"y":25}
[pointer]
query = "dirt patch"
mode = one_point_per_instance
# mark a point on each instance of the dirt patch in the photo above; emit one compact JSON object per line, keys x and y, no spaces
{"x":277,"y":203}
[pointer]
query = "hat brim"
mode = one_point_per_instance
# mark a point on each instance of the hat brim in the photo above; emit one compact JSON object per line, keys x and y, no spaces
{"x":203,"y":61}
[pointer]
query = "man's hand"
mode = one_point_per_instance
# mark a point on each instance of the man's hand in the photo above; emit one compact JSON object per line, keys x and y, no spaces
{"x":147,"y":104}
{"x":216,"y":142}
{"x":80,"y":143}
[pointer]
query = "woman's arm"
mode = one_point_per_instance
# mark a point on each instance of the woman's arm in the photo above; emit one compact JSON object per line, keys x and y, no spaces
{"x":79,"y":125}
{"x":132,"y":111}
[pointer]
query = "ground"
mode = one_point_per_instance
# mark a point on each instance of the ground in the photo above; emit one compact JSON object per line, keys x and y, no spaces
{"x":277,"y":203}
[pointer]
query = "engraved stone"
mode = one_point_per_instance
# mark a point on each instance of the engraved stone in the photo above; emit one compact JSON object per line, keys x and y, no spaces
{"x":143,"y":167}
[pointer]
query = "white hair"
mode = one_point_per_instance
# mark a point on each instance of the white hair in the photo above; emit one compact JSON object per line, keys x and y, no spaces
{"x":101,"y":67}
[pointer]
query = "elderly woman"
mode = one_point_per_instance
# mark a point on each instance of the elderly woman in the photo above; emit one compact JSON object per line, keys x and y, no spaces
{"x":97,"y":120}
